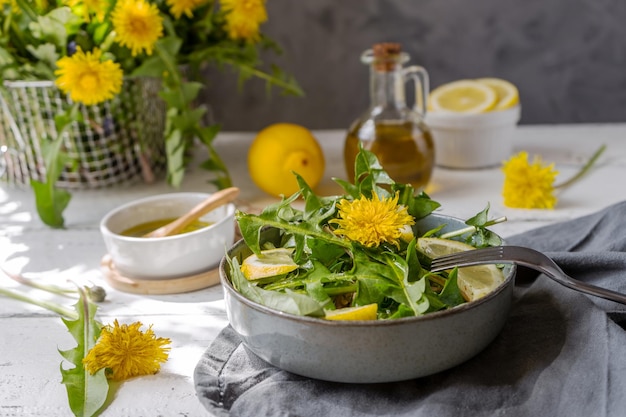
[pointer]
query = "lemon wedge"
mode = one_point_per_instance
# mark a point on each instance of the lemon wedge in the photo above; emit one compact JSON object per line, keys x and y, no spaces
{"x":270,"y":263}
{"x":507,"y":93}
{"x":463,"y":96}
{"x":474,"y":281}
{"x":366,"y":312}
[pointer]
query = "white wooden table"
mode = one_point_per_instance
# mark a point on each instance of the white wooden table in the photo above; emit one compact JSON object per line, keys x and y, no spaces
{"x":30,"y":382}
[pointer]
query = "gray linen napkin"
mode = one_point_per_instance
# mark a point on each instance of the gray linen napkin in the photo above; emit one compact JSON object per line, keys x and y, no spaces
{"x":561,"y":353}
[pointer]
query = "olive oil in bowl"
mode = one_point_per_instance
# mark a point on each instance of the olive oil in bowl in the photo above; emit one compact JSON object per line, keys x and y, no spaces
{"x":143,"y":229}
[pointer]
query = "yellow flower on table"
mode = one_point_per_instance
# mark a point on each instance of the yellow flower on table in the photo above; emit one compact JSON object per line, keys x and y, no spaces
{"x":138,"y":25}
{"x":528,"y":185}
{"x":125,"y":351}
{"x":372,"y":221}
{"x":244,"y":18}
{"x":88,"y":79}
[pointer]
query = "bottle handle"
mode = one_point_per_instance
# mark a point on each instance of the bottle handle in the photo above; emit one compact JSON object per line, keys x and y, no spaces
{"x":419,"y":75}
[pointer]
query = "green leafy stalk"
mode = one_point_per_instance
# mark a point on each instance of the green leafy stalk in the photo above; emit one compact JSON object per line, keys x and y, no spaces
{"x":584,"y":170}
{"x":184,"y":119}
{"x":54,"y":307}
{"x":472,"y":229}
{"x":51,"y":201}
{"x":277,"y":78}
{"x":86,"y":393}
{"x":94,"y":292}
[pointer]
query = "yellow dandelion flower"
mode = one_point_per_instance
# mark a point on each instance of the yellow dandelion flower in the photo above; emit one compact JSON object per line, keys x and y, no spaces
{"x":87,"y":79}
{"x":125,"y":351}
{"x":138,"y":25}
{"x":178,"y":7}
{"x":97,"y":8}
{"x":372,"y":221}
{"x":528,"y":185}
{"x":243,"y":18}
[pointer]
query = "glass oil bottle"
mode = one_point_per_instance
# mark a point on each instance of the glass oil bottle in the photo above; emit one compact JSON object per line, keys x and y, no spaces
{"x":390,"y":129}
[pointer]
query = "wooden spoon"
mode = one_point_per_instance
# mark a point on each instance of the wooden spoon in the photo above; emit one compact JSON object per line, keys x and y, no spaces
{"x":213,"y":201}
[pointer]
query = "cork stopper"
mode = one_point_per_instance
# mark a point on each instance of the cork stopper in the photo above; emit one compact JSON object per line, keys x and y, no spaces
{"x":386,"y":55}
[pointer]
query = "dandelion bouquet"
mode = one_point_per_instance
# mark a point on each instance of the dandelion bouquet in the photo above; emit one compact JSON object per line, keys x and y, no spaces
{"x":90,"y":47}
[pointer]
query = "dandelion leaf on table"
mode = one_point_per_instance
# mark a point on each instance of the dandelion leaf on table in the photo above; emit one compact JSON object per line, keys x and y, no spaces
{"x":86,"y":393}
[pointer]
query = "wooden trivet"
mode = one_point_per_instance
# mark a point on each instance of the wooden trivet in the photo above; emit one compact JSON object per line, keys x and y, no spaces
{"x":157,"y":286}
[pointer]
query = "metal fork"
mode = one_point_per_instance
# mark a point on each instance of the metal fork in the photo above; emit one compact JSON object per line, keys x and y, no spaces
{"x":526,"y":257}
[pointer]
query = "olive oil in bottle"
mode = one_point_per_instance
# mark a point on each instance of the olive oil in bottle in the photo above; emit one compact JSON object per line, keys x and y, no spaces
{"x":395,"y":133}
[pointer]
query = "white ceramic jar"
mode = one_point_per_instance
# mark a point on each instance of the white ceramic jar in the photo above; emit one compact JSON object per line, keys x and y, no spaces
{"x":468,"y":141}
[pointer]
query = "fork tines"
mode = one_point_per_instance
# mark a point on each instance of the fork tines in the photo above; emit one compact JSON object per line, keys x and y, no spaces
{"x":467,"y":258}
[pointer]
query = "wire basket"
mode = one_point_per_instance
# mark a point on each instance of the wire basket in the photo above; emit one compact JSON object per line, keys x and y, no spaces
{"x":120,"y":140}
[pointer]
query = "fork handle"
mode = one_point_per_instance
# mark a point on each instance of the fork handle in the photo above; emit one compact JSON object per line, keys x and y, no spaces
{"x":580,"y":286}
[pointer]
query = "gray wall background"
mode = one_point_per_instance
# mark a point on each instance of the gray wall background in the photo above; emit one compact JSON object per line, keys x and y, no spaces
{"x":567,"y":57}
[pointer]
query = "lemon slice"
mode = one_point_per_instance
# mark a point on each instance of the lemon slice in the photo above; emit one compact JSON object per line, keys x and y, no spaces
{"x":366,"y":312}
{"x":507,"y":93}
{"x":474,"y":281}
{"x":270,"y":263}
{"x":463,"y":96}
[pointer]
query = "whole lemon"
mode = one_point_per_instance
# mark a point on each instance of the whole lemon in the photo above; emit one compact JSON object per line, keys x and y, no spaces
{"x":278,"y":151}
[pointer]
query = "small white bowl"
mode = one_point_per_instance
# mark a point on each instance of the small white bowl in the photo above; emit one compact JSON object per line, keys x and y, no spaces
{"x":167,"y":257}
{"x":473,"y":140}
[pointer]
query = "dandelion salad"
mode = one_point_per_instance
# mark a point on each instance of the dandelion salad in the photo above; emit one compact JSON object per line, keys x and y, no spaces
{"x":358,"y":256}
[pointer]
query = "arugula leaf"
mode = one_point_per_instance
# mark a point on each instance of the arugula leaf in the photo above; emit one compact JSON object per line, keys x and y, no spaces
{"x":418,"y":206}
{"x":368,"y":173}
{"x":86,"y":393}
{"x":288,"y":301}
{"x":451,"y":294}
{"x":315,"y":285}
{"x":317,"y":210}
{"x":482,"y":237}
{"x":372,"y":290}
{"x":281,"y":216}
{"x":477,"y":234}
{"x":410,"y":294}
{"x":328,"y":255}
{"x":415,"y":270}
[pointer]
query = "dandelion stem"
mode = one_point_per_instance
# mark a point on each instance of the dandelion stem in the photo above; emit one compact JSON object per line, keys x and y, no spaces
{"x":54,"y":307}
{"x":585,"y":169}
{"x":32,"y":283}
{"x":95,"y":293}
{"x":471,"y":229}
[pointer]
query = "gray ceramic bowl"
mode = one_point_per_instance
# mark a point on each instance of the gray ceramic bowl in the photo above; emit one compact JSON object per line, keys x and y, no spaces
{"x":367,"y":351}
